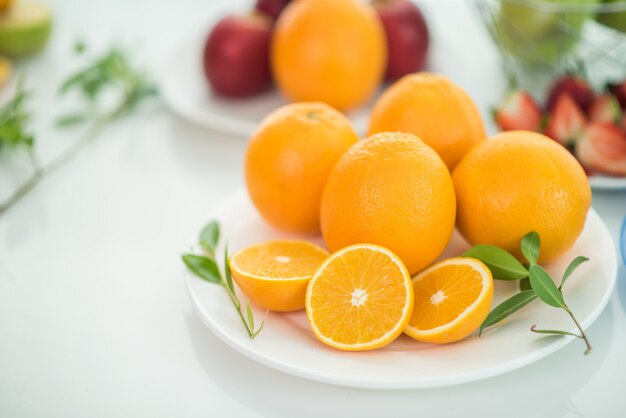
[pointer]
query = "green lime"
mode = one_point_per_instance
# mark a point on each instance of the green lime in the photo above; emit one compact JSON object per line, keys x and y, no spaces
{"x":24,"y":29}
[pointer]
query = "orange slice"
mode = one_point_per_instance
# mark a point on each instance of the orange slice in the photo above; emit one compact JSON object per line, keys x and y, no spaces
{"x":274,"y":274}
{"x":452,"y":299}
{"x":361,"y":298}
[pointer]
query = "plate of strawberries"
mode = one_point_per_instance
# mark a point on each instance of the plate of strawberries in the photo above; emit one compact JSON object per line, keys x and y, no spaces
{"x":590,"y":123}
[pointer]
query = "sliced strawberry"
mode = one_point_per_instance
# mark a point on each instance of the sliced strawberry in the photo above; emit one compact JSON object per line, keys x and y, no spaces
{"x":602,"y":147}
{"x":567,"y":121}
{"x":619,"y":91}
{"x":605,"y":108}
{"x":576,"y":87}
{"x":518,"y":111}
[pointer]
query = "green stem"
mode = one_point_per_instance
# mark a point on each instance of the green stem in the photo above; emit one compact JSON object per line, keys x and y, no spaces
{"x":237,"y":305}
{"x":582,"y":333}
{"x":40,"y":172}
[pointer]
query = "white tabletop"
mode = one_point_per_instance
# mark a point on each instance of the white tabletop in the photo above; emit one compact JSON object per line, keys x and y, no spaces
{"x":94,"y":317}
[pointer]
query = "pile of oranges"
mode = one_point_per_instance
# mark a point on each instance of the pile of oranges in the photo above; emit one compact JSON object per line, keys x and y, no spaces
{"x":386,"y":207}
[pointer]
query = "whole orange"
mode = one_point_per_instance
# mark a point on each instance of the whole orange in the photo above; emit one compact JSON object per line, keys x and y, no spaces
{"x":517,"y":182}
{"x":433,"y":108}
{"x":329,"y":50}
{"x":394,"y":191}
{"x":288,"y":160}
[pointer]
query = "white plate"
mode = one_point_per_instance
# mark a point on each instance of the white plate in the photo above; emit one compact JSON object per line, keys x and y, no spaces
{"x":286,"y":343}
{"x":186,"y":92}
{"x":600,"y":182}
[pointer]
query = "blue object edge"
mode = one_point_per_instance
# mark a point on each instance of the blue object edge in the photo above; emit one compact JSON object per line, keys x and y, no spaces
{"x":623,"y":241}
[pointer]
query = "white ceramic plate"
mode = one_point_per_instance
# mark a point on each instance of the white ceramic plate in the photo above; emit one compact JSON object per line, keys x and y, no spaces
{"x":186,"y":92}
{"x":286,"y":343}
{"x":599,"y":182}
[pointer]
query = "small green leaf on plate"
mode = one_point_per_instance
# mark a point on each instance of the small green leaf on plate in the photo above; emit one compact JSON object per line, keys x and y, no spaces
{"x":227,"y":273}
{"x":260,"y":326}
{"x":544,"y":287}
{"x":210,"y":236}
{"x":553,"y":332}
{"x":503,"y":265}
{"x":508,"y":307}
{"x":203,"y":267}
{"x":250,"y":316}
{"x":572,"y":266}
{"x":530,"y":247}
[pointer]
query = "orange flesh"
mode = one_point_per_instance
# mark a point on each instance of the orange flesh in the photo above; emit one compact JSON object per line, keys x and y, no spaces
{"x":359,"y":297}
{"x":280,"y":260}
{"x":460,"y":286}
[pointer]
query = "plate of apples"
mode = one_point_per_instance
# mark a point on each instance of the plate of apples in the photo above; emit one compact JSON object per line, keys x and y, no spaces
{"x":589,"y":123}
{"x":221,"y":76}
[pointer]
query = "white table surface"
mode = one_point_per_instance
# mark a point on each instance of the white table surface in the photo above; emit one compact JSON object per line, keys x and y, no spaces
{"x":94,"y":318}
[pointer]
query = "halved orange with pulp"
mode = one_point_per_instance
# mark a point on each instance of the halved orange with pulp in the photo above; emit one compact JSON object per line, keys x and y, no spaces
{"x":452,"y":299}
{"x":274,"y":274}
{"x":360,"y":298}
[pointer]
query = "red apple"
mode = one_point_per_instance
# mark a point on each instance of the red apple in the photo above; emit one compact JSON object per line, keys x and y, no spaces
{"x":271,"y":8}
{"x":407,"y":36}
{"x":236,"y":55}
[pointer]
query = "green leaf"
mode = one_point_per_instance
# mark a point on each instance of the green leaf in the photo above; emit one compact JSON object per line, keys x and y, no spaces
{"x":13,"y":119}
{"x":545,"y":288}
{"x":572,"y":266}
{"x":71,"y":119}
{"x":508,"y":307}
{"x":110,"y":73}
{"x":229,"y":277}
{"x":553,"y":332}
{"x":530,"y":247}
{"x":524,"y":284}
{"x":210,"y":236}
{"x":203,"y":267}
{"x":503,"y":265}
{"x":250,"y":316}
{"x":260,"y":326}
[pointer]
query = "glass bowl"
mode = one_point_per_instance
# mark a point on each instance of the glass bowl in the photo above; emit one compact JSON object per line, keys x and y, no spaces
{"x":539,"y":39}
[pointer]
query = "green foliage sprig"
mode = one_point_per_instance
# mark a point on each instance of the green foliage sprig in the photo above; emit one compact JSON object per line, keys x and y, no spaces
{"x":205,"y":267}
{"x":111,"y":72}
{"x":534,"y":283}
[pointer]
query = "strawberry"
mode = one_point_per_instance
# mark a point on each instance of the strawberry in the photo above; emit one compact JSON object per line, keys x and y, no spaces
{"x":576,"y":87}
{"x":605,"y":108}
{"x":567,"y":121}
{"x":602,"y":147}
{"x":518,"y":111}
{"x":619,"y":91}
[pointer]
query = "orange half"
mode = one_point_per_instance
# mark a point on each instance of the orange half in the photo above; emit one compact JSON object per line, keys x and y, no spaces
{"x":360,"y":298}
{"x":452,"y":299}
{"x":274,"y":274}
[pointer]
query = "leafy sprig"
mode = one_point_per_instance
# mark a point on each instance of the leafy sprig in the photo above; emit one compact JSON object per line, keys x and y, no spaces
{"x":205,"y":267}
{"x":534,"y":282}
{"x":112,"y":72}
{"x":13,"y":118}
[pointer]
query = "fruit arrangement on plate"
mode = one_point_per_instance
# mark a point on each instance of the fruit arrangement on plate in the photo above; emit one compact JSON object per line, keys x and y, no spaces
{"x":335,"y":51}
{"x":549,"y":33}
{"x":592,"y":125}
{"x":386,"y":207}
